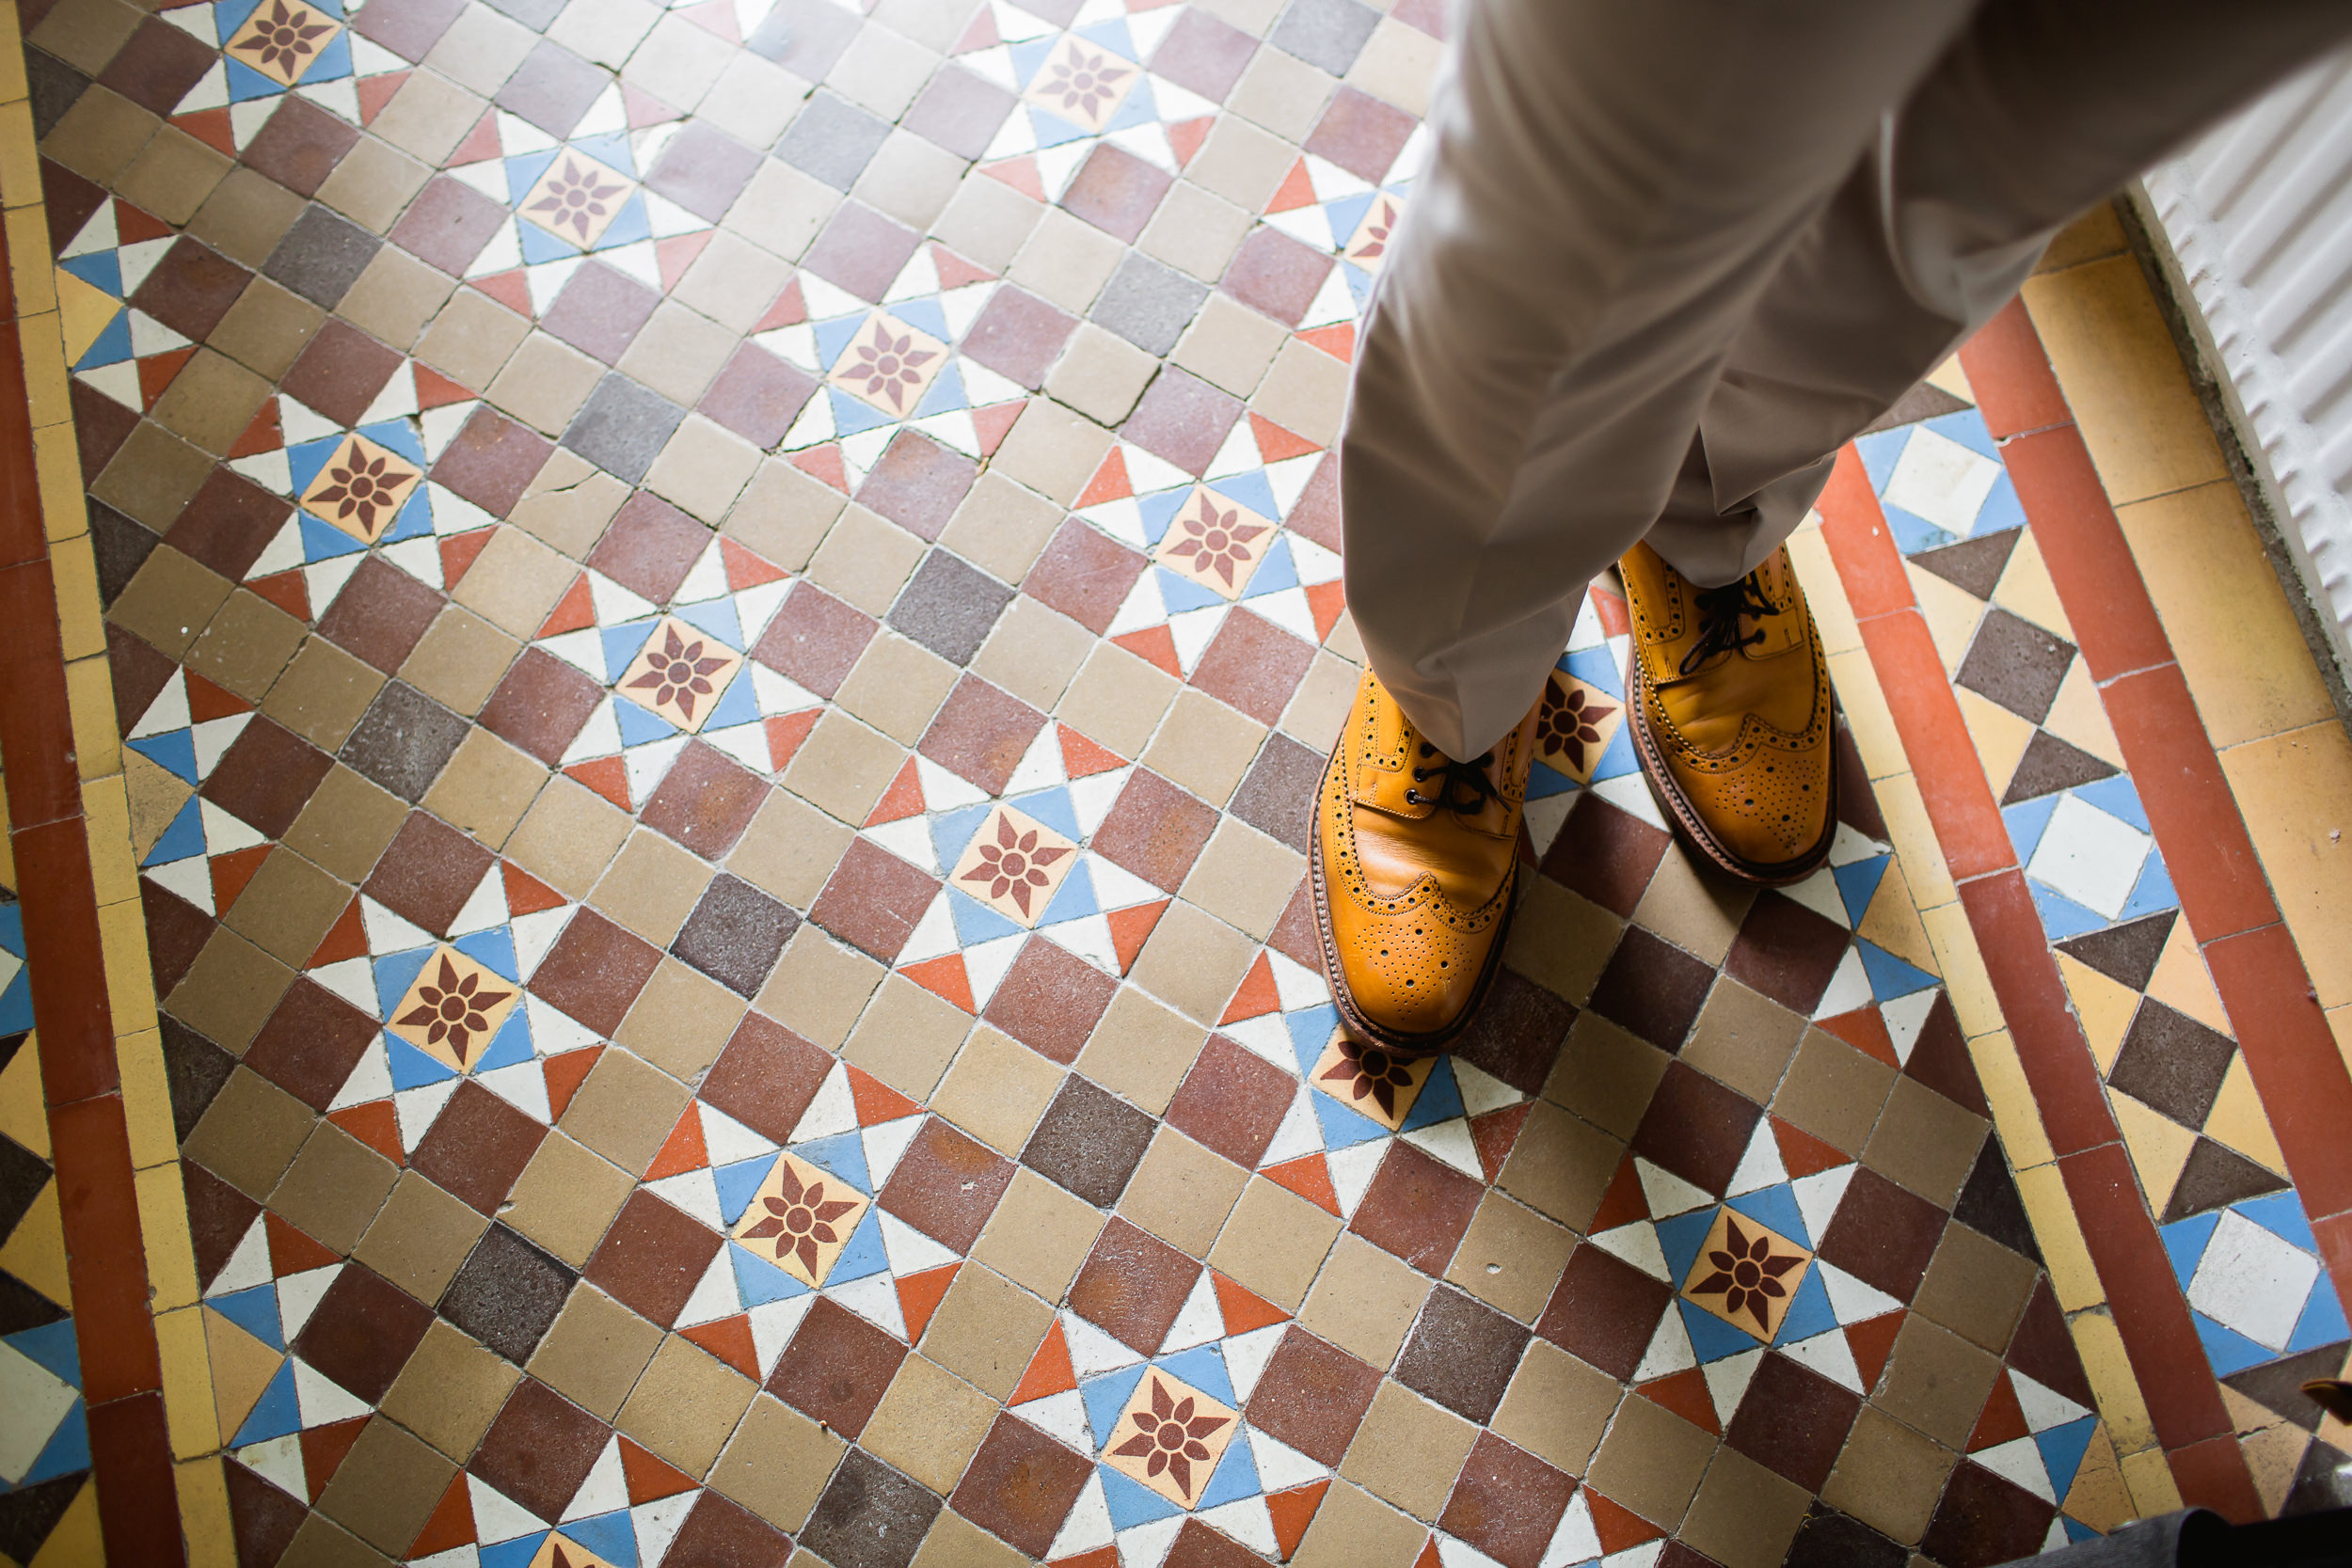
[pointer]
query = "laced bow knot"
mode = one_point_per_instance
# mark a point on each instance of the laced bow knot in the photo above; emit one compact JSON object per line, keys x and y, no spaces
{"x":1469,"y":777}
{"x":1720,"y":613}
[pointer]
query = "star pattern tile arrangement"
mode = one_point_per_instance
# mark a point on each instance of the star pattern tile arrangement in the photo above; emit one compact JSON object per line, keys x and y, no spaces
{"x":723,"y":617}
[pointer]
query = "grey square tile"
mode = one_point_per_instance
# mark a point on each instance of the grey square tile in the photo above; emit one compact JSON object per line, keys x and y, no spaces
{"x":949,"y":607}
{"x":1148,"y":304}
{"x":623,"y":427}
{"x":832,"y":140}
{"x":1327,"y":34}
{"x":507,"y":1295}
{"x":736,"y":934}
{"x":403,"y":741}
{"x":322,"y":256}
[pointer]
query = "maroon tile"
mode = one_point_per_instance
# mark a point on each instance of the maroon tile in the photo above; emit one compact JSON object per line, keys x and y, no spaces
{"x":540,"y":705}
{"x":1020,"y":1485}
{"x":1090,"y":1141}
{"x":1462,"y":1353}
{"x":1132,"y":1285}
{"x":1312,"y":1396}
{"x":918,"y":484}
{"x":1204,"y":55}
{"x":341,"y":372}
{"x":156,"y":66}
{"x":266,"y":776}
{"x":448,"y":224}
{"x":1360,"y":133}
{"x":228,"y":523}
{"x":2043,"y":1347}
{"x":1517,"y":1033}
{"x":312,"y":1040}
{"x":736,"y":934}
{"x":861,"y":251}
{"x":176,"y":933}
{"x":759,"y":396}
{"x":706,"y":801}
{"x":1085,"y":573}
{"x":428,"y":873}
{"x":1939,"y":1059}
{"x":980,"y":734}
{"x":1882,"y":1234}
{"x":1154,"y":829}
{"x":870,"y":1516}
{"x":540,"y":1449}
{"x":1018,"y":335}
{"x":1793,"y":1421}
{"x":1696,"y":1128}
{"x":1232,"y":1101}
{"x":191,"y":289}
{"x":1416,"y":1208}
{"x":702,"y":169}
{"x":1050,"y":1000}
{"x":873,"y":899}
{"x":1254,"y":665}
{"x":600,"y":311}
{"x":1183,"y":419}
{"x":139,"y":674}
{"x":945,"y":1185}
{"x":652,"y":1258}
{"x":1984,"y":1519}
{"x":491,"y":460}
{"x":836,"y":1368}
{"x":1116,"y":191}
{"x":1653,"y":988}
{"x":300,"y":145}
{"x":381,"y":614}
{"x":1606,"y":853}
{"x":477,"y":1148}
{"x":71,"y":198}
{"x":218,"y":1218}
{"x":101,"y":425}
{"x":1787,"y":951}
{"x":719,"y":1534}
{"x":409,"y":28}
{"x":960,"y":112}
{"x":362,"y":1331}
{"x":766,"y":1077}
{"x":1506,"y":1502}
{"x":815,"y":638}
{"x":1199,"y":1547}
{"x":595,"y":970}
{"x":1274,"y":273}
{"x":131,"y":1456}
{"x":649,"y":546}
{"x":1604,"y":1311}
{"x":1278,"y":795}
{"x":261,"y":1519}
{"x":552,"y":88}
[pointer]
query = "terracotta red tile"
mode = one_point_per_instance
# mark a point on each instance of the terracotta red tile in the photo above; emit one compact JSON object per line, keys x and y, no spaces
{"x":312,"y":1040}
{"x":540,"y":1449}
{"x":1883,"y":1235}
{"x":600,"y":311}
{"x":491,"y":459}
{"x":428,"y":872}
{"x":1116,"y":191}
{"x":68,"y":978}
{"x":300,"y":145}
{"x":409,"y":28}
{"x":1018,"y":335}
{"x":1416,"y":1208}
{"x":1312,"y":1396}
{"x":2050,"y":1047}
{"x":1020,"y":1485}
{"x":652,"y":1258}
{"x":363,"y":1332}
{"x":228,"y":523}
{"x":341,"y":372}
{"x":1277,"y":275}
{"x":1232,"y":1101}
{"x":1084,"y":573}
{"x":1183,"y":419}
{"x":1204,"y":55}
{"x":107,"y":1266}
{"x":702,"y":169}
{"x":719,"y":1533}
{"x":191,"y":289}
{"x":1927,"y":716}
{"x":1360,"y":133}
{"x":156,"y":66}
{"x":2011,"y":375}
{"x":541,"y":705}
{"x":1604,"y":1311}
{"x":2291,"y":1052}
{"x":1154,"y":829}
{"x":705,"y":802}
{"x":477,"y":1148}
{"x":265,"y":777}
{"x":2213,"y":1474}
{"x":131,"y":1457}
{"x":36,"y":727}
{"x":1051,"y":1000}
{"x":918,"y":484}
{"x":836,"y":1368}
{"x":1506,"y":1502}
{"x":595,"y":970}
{"x":2083,"y":546}
{"x":1254,"y":665}
{"x":766,"y":1077}
{"x":980,"y":734}
{"x":815,"y":638}
{"x":2189,"y":803}
{"x":861,"y":251}
{"x":381,"y":614}
{"x":1652,"y":988}
{"x":1868,"y":564}
{"x":873,"y":899}
{"x":946,"y":1185}
{"x":759,"y":396}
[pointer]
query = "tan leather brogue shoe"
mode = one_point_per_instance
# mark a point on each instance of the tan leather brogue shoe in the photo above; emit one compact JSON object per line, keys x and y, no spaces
{"x":1731,"y":712}
{"x":1416,"y":861}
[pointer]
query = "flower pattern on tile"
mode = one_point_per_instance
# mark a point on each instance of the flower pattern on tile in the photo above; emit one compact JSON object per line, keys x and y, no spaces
{"x":1171,"y":1436}
{"x":1576,"y":725}
{"x":453,"y":1009}
{"x":890,"y":364}
{"x":1014,"y":864}
{"x":1368,"y":1079}
{"x":267,"y":48}
{"x":680,"y":672}
{"x":557,"y":1552}
{"x":1216,"y":541}
{"x":362,"y":488}
{"x":800,"y":1219}
{"x":281,"y":41}
{"x":1084,"y":86}
{"x":576,"y":198}
{"x":1369,"y":245}
{"x":1744,"y":1275}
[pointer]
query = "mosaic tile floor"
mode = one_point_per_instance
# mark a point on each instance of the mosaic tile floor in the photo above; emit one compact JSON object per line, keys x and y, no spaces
{"x":674,"y":663}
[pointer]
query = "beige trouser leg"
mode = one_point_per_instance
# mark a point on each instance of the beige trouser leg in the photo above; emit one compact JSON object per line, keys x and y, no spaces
{"x":1668,"y":256}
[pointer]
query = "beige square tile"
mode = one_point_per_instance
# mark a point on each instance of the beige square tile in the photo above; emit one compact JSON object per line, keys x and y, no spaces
{"x":395,"y":295}
{"x":1557,"y":1406}
{"x":210,"y":400}
{"x":1304,"y":390}
{"x":150,"y":477}
{"x":1274,"y":1243}
{"x":820,"y":986}
{"x":782,"y":210}
{"x":334,"y":1187}
{"x":485,"y":789}
{"x":1141,"y":1049}
{"x":1001,"y":529}
{"x":1745,"y":1516}
{"x":451,"y":1390}
{"x":173,"y":175}
{"x":1195,"y":960}
{"x":681,"y":1020}
{"x":229,"y":991}
{"x":955,"y":1542}
{"x":1240,"y":163}
{"x":1888,"y":1476}
{"x":385,"y":1489}
{"x":1040,"y":1235}
{"x":911,"y":180}
{"x":1925,"y":1142}
{"x":679,"y":351}
{"x":1101,"y":374}
{"x":1354,"y":1530}
{"x":87,"y":34}
{"x":568,"y":836}
{"x":651,"y":886}
{"x":777,"y":1464}
{"x":1066,"y":261}
{"x":1511,"y":1256}
{"x":1697,"y":908}
{"x":288,"y":907}
{"x":1745,"y":1040}
{"x":1834,"y":1091}
{"x":1182,"y":1192}
{"x":703,"y":469}
{"x":733,"y":282}
{"x":2286,"y":788}
{"x":623,"y":1110}
{"x":544,"y":382}
{"x":1409,"y":1451}
{"x":1651,"y":1460}
{"x":906,"y":1036}
{"x":1118,"y":699}
{"x":1976,"y":1288}
{"x":420,"y":1237}
{"x":1033,"y":653}
{"x":514,"y":582}
{"x":997,"y":1090}
{"x":1562,"y":941}
{"x":1399,"y":63}
{"x":570,"y":504}
{"x":1228,"y":344}
{"x":604,"y":31}
{"x":1365,"y":1301}
{"x":322,"y":692}
{"x":1936,"y":1381}
{"x":1244,"y":877}
{"x":865,"y":559}
{"x":246,"y":646}
{"x":470,"y":339}
{"x":789,"y":849}
{"x":686,"y":1406}
{"x":565,"y":1198}
{"x":1561,"y":1164}
{"x":1205,"y":745}
{"x":595,"y":1350}
{"x":460,"y":660}
{"x":428,"y":116}
{"x":268,"y":327}
{"x":373,"y":184}
{"x":986,"y":1329}
{"x":1051,"y":449}
{"x":784,"y":513}
{"x":929,"y":1424}
{"x":989,"y":221}
{"x":346,"y":824}
{"x":896,"y":686}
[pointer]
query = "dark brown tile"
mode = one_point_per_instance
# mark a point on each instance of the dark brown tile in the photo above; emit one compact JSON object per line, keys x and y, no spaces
{"x":1018,"y":336}
{"x":870,"y":1516}
{"x":1132,"y":1285}
{"x":1985,"y":1519}
{"x":1116,"y":191}
{"x":1604,"y":1311}
{"x":1606,"y":853}
{"x":1254,"y":665}
{"x":945,"y":1185}
{"x":321,"y":254}
{"x":1787,"y":951}
{"x":1653,"y":988}
{"x":706,"y":801}
{"x":341,"y":372}
{"x":1882,"y":1235}
{"x":759,"y":396}
{"x":218,"y":1218}
{"x":491,"y":460}
{"x":228,"y":523}
{"x":1696,"y":1128}
{"x":600,"y":311}
{"x":1312,"y":1396}
{"x":1154,"y":829}
{"x":2172,"y":1061}
{"x":722,"y":1535}
{"x":477,"y":1148}
{"x":300,"y":145}
{"x":766,"y":1077}
{"x":507,"y":1293}
{"x":873,"y":899}
{"x":1020,"y":1485}
{"x":1183,"y":419}
{"x":266,"y":776}
{"x":595,"y":970}
{"x":191,"y":289}
{"x":918,"y":484}
{"x":2016,"y":664}
{"x":312,"y":1040}
{"x":1518,"y":1034}
{"x":980,"y":734}
{"x":363,"y":1332}
{"x":836,"y":1368}
{"x":1939,"y":1059}
{"x":403,"y":741}
{"x":1277,"y":795}
{"x":1089,"y":1141}
{"x":949,"y":607}
{"x":862,"y":251}
{"x":541,"y":705}
{"x":1793,"y":1421}
{"x":1084,"y":573}
{"x":428,"y":873}
{"x":652,"y":1258}
{"x":1050,"y":1000}
{"x":736,"y":933}
{"x":540,"y":1449}
{"x":1462,"y":1353}
{"x":1506,"y":1502}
